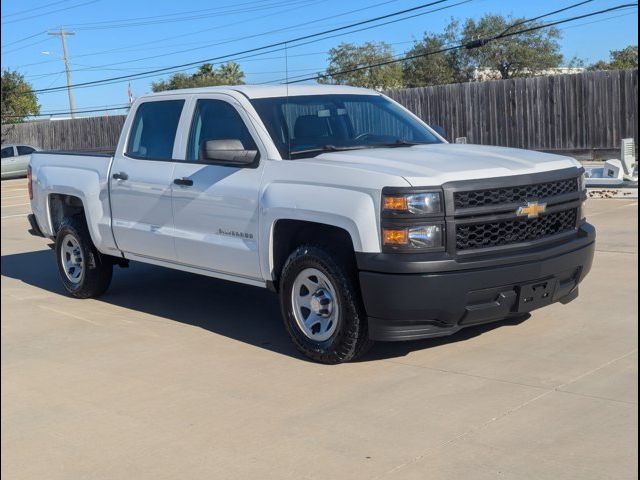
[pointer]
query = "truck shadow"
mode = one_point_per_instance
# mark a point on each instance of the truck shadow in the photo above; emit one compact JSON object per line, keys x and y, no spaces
{"x":244,"y":313}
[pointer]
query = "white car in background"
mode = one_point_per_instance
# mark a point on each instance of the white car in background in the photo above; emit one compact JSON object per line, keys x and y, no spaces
{"x":15,"y":159}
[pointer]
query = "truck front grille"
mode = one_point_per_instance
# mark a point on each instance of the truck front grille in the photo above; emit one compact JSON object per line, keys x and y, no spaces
{"x":507,"y":232}
{"x":516,"y":194}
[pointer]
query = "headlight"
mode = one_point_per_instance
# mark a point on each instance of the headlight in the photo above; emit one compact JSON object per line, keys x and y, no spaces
{"x":418,"y":204}
{"x":422,"y":237}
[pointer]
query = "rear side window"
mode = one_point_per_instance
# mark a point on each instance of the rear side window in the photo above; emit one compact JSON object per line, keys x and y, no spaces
{"x":24,"y":150}
{"x":7,"y":152}
{"x":154,"y":128}
{"x":216,"y":120}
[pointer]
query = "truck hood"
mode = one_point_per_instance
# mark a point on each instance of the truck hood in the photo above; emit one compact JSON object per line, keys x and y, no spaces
{"x":430,"y":165}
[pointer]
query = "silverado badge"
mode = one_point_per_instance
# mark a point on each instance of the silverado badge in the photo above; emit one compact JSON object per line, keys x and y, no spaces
{"x":532,"y":209}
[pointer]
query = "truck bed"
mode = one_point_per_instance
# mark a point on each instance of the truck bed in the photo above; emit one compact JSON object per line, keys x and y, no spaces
{"x":83,"y":176}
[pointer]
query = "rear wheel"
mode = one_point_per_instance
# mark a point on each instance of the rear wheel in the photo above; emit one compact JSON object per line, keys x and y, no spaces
{"x":321,"y":306}
{"x":84,"y":271}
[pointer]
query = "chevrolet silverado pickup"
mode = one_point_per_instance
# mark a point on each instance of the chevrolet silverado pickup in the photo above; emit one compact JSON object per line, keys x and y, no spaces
{"x":367,"y":222}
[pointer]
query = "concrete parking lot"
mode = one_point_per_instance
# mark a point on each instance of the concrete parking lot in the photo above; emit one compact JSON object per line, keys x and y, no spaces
{"x":171,"y":375}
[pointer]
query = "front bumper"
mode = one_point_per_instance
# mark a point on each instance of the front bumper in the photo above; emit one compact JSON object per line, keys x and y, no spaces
{"x":440,"y":297}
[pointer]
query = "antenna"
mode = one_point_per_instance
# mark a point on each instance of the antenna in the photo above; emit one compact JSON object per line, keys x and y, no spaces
{"x":286,"y":86}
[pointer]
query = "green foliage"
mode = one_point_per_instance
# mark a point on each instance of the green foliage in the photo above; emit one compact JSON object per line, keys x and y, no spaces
{"x":524,"y":55}
{"x":18,"y":99}
{"x":438,"y":68}
{"x":619,"y":59}
{"x":206,"y":76}
{"x":347,"y":56}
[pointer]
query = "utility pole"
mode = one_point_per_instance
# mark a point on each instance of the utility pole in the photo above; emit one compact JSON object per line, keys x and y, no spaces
{"x":62,"y":34}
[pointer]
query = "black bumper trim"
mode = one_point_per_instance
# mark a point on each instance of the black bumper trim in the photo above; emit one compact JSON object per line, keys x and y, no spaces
{"x":35,"y":228}
{"x":436,"y":303}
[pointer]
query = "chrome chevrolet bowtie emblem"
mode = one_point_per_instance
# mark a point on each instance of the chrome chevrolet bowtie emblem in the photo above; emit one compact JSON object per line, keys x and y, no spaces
{"x":532,"y":209}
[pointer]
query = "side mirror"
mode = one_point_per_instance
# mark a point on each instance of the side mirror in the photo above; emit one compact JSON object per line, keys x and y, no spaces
{"x":228,"y":151}
{"x":439,"y":130}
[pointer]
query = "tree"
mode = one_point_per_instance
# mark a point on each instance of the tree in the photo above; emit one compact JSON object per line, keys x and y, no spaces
{"x":619,"y":59}
{"x":436,"y":68}
{"x":18,"y":99}
{"x":347,"y":56}
{"x":206,"y":76}
{"x":523,"y":55}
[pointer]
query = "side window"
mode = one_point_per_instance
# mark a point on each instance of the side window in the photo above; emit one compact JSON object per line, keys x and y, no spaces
{"x":216,"y":120}
{"x":7,"y":152}
{"x":153,"y":130}
{"x":24,"y":150}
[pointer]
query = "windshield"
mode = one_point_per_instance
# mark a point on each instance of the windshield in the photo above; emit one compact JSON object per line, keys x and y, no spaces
{"x":306,"y":126}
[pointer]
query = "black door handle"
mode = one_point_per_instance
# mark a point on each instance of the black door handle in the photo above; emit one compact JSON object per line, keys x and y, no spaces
{"x":183,"y":181}
{"x":120,"y":176}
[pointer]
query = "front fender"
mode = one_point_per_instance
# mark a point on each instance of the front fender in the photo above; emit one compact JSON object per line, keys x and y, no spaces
{"x":352,"y":210}
{"x":91,"y":189}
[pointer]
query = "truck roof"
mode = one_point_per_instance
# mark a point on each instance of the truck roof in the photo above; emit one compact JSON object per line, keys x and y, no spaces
{"x":265,"y":91}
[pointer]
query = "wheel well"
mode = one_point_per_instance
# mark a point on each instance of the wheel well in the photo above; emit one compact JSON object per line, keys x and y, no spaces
{"x":290,"y":234}
{"x":63,"y":206}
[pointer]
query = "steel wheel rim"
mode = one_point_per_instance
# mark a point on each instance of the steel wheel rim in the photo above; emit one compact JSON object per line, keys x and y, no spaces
{"x":315,"y":304}
{"x":72,"y":259}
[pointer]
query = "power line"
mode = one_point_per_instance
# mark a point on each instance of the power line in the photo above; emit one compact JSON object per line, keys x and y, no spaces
{"x":50,"y":12}
{"x":25,"y":38}
{"x":251,"y":50}
{"x":227,"y":41}
{"x":205,"y":46}
{"x":174,"y":18}
{"x":469,"y":45}
{"x":517,"y":24}
{"x":47,"y":114}
{"x":17,"y":49}
{"x":173,"y":15}
{"x":448,"y":47}
{"x":283,"y":48}
{"x":47,"y":5}
{"x":279,"y":57}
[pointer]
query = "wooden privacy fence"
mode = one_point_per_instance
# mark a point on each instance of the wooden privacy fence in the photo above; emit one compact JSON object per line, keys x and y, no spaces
{"x":581,"y":112}
{"x":79,"y":134}
{"x":585,"y":111}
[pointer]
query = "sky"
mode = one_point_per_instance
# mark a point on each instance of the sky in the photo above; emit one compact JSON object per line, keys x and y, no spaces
{"x":118,"y":37}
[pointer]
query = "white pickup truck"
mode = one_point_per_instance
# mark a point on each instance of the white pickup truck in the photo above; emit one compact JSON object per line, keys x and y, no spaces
{"x":368,"y":224}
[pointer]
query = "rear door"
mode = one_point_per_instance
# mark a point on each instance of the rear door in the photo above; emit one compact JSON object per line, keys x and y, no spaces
{"x":141,"y":179}
{"x":216,"y":206}
{"x":9,"y":160}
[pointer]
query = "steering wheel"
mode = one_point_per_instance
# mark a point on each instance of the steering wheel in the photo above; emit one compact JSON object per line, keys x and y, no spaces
{"x":363,"y":135}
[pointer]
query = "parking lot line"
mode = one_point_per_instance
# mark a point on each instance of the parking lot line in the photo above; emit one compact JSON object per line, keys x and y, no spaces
{"x":16,"y":205}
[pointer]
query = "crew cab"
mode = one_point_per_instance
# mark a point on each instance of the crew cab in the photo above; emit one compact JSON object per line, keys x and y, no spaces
{"x":364,"y":220}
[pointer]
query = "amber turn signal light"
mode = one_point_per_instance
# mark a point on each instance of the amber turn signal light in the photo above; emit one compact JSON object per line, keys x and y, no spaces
{"x":395,"y":237}
{"x":395,"y":203}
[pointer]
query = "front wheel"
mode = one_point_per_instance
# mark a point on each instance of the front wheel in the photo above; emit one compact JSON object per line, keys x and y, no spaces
{"x":321,"y":306}
{"x":84,"y":272}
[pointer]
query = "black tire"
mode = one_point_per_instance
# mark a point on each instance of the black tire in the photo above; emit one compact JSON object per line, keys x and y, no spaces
{"x":96,"y":274}
{"x":350,"y":338}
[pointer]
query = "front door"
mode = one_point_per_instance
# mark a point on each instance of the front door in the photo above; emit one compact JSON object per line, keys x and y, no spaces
{"x":141,"y":180}
{"x":215,"y":206}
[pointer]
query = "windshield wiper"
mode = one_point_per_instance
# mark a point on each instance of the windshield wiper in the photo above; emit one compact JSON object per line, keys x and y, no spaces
{"x":327,"y":148}
{"x":398,"y":143}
